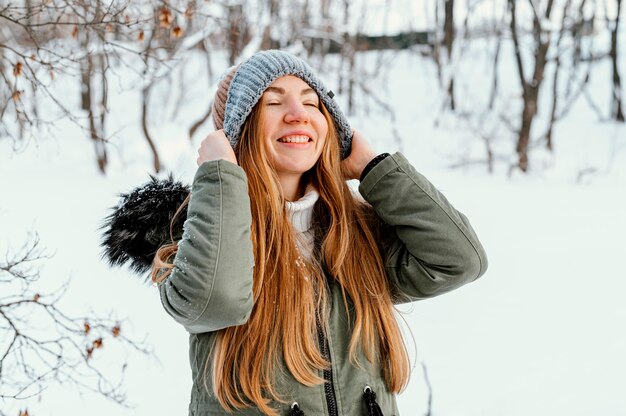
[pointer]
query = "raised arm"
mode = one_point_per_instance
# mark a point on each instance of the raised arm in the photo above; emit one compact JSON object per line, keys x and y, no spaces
{"x":210,"y":286}
{"x":430,"y":248}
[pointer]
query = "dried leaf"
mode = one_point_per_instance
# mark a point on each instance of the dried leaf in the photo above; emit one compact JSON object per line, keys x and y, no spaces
{"x":97,"y":343}
{"x":87,"y":327}
{"x":52,"y":75}
{"x":17,"y":69}
{"x":116,"y":331}
{"x":36,"y":297}
{"x":109,"y":27}
{"x":165,"y":17}
{"x":89,"y":352}
{"x":177,"y":32}
{"x":23,"y":412}
{"x":141,"y":36}
{"x":75,"y":32}
{"x":16,"y":95}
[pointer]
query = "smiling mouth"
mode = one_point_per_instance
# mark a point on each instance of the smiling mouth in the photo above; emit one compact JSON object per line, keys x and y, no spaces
{"x":295,"y":139}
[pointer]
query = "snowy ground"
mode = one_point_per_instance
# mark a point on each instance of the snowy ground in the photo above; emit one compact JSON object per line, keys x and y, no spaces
{"x":541,"y":333}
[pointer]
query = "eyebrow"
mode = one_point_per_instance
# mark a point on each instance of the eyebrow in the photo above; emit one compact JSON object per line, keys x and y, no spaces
{"x":279,"y":90}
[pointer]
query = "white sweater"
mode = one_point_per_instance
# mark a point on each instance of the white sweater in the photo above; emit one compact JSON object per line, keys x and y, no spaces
{"x":301,"y":218}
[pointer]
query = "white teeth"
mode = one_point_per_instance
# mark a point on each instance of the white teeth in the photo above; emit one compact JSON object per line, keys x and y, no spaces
{"x":294,"y":139}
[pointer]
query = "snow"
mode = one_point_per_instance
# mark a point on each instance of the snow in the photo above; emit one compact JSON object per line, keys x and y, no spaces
{"x":541,"y":333}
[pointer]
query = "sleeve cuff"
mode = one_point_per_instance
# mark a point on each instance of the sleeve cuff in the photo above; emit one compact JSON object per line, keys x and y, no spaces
{"x":382,"y":168}
{"x":371,"y":165}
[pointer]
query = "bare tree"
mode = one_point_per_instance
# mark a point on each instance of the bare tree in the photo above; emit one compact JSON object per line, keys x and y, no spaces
{"x":93,"y":42}
{"x":448,"y":26}
{"x":578,"y":27}
{"x":530,"y":87}
{"x":90,"y":67}
{"x":39,"y":40}
{"x":565,"y":49}
{"x":617,"y":112}
{"x":449,"y":32}
{"x":429,"y":409}
{"x":495,"y":80}
{"x":237,"y":33}
{"x":267,"y":41}
{"x":42,"y":345}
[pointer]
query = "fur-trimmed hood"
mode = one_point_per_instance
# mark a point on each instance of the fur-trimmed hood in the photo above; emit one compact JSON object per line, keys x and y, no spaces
{"x":140,"y":223}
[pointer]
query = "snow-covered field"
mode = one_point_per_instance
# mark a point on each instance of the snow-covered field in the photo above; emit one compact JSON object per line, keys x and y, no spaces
{"x":541,"y":333}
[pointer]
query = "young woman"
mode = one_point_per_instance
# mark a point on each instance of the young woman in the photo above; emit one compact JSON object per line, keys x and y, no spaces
{"x":284,"y":277}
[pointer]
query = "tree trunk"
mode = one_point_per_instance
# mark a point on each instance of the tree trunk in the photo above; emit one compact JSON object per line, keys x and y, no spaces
{"x":448,"y":42}
{"x":555,"y":77}
{"x":144,"y":127}
{"x":266,"y":40}
{"x":495,"y":82}
{"x":87,"y":101}
{"x":617,"y":112}
{"x":436,"y":52}
{"x":448,"y":26}
{"x":530,"y":89}
{"x":95,"y":132}
{"x":238,"y":34}
{"x":451,"y":93}
{"x":530,"y":104}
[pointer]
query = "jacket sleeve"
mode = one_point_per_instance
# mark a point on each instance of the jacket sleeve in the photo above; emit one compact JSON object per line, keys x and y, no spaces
{"x":210,"y":286}
{"x":429,"y":247}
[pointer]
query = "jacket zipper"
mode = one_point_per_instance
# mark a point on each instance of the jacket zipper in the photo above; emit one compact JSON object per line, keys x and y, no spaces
{"x":329,"y":390}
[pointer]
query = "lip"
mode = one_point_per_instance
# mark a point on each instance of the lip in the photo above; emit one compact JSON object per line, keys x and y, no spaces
{"x":296,"y":133}
{"x":305,"y":145}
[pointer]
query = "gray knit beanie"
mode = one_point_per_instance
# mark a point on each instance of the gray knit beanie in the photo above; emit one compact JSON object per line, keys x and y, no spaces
{"x":241,"y":87}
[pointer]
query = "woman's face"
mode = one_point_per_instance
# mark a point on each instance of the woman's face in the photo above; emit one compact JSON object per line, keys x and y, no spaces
{"x":293,"y":125}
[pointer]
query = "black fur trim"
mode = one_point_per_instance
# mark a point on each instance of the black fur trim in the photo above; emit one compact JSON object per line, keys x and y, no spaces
{"x":140,"y":223}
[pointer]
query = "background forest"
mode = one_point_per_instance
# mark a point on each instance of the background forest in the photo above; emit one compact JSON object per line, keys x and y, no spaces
{"x":514,"y":109}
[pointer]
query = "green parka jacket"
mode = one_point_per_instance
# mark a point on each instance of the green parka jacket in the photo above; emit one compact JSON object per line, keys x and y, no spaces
{"x":432,"y":250}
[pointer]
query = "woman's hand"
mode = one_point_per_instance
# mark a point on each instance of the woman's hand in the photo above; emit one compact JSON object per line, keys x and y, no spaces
{"x":360,"y":155}
{"x":216,"y":146}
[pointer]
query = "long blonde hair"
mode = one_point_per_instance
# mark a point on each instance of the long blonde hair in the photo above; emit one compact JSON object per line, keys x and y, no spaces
{"x":290,"y":293}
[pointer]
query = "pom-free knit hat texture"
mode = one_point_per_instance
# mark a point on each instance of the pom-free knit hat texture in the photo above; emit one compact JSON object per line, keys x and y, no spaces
{"x":241,"y":87}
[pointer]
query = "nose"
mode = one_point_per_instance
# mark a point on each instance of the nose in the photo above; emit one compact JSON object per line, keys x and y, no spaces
{"x":296,"y":112}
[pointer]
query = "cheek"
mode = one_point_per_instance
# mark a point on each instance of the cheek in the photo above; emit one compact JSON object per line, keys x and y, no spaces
{"x":269,"y":131}
{"x":268,"y":121}
{"x":321,"y":125}
{"x":323,"y":139}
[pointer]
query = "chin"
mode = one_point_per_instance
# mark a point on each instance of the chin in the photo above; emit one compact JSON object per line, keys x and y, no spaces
{"x":295,"y":169}
{"x":296,"y":166}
